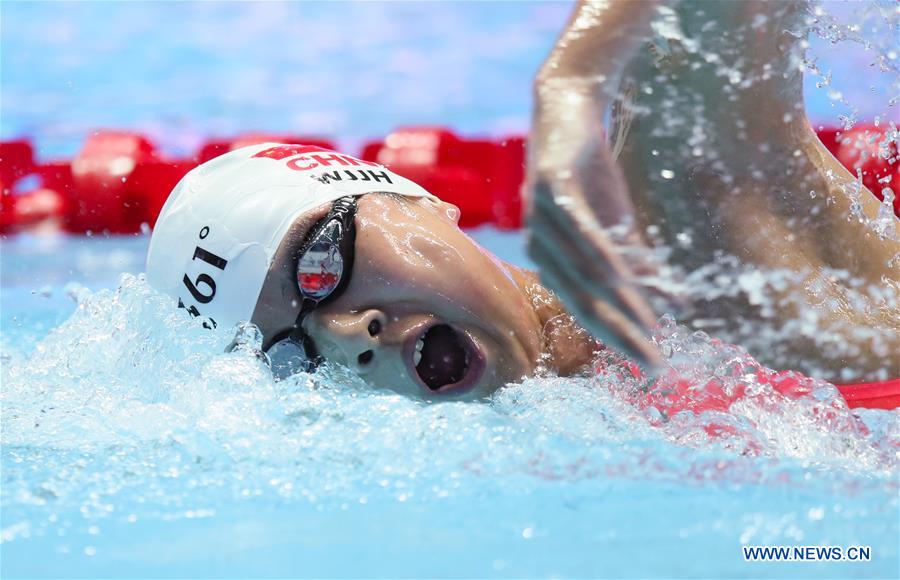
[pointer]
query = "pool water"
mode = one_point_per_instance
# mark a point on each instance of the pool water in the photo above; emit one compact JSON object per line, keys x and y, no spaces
{"x":132,"y":446}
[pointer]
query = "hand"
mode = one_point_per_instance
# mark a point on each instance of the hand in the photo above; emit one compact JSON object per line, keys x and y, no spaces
{"x":576,"y":192}
{"x":577,"y":256}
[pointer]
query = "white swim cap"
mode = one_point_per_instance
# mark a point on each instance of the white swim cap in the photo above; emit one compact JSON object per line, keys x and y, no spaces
{"x":218,"y":232}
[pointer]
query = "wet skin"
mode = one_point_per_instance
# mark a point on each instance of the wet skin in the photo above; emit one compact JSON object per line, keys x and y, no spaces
{"x":722,"y":112}
{"x":415,"y":270}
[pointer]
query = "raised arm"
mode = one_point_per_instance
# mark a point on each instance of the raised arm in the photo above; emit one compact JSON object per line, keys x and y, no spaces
{"x":720,"y":162}
{"x":579,"y":80}
{"x":574,"y":188}
{"x":715,"y":159}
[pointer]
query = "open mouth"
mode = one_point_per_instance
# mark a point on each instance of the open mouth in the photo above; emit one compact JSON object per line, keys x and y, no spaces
{"x":445,"y":359}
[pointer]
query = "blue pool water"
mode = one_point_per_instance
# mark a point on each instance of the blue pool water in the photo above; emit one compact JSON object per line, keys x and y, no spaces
{"x":133,"y":447}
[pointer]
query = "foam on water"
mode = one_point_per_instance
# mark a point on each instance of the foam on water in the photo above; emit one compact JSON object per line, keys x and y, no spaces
{"x":132,"y":410}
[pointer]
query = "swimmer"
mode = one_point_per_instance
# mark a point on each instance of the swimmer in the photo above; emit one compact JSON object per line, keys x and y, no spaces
{"x":713,"y":190}
{"x":341,"y":260}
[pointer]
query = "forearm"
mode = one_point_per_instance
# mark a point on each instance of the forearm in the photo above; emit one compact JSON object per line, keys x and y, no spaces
{"x":599,"y":39}
{"x":577,"y":83}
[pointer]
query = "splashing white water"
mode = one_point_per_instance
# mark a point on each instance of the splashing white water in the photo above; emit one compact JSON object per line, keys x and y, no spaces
{"x":130,"y":391}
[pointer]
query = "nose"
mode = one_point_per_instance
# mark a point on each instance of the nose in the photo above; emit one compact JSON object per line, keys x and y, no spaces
{"x":352,"y":339}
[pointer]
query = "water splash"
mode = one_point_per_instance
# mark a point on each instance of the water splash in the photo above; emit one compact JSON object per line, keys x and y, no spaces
{"x":130,"y":409}
{"x":716,"y":395}
{"x":874,"y":29}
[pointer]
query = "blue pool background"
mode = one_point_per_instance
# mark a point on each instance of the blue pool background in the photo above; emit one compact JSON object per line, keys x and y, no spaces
{"x":185,"y":71}
{"x":132,"y":447}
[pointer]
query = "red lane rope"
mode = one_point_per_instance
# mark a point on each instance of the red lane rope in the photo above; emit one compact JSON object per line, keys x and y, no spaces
{"x":877,"y":395}
{"x":119,"y":180}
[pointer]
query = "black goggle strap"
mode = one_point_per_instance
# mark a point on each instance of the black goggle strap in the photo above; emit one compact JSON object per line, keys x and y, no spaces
{"x":305,"y":342}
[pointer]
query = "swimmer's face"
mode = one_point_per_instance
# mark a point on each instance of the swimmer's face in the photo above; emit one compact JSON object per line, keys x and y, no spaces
{"x":427,"y":311}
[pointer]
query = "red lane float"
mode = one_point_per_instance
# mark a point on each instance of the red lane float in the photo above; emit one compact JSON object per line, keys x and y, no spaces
{"x":672,"y":394}
{"x":30,"y":194}
{"x":872,"y":153}
{"x":119,"y":181}
{"x":879,"y":395}
{"x":16,"y":160}
{"x":39,"y":206}
{"x":102,"y":172}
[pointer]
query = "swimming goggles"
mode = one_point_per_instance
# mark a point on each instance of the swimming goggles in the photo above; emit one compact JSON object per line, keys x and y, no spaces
{"x":324,"y":264}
